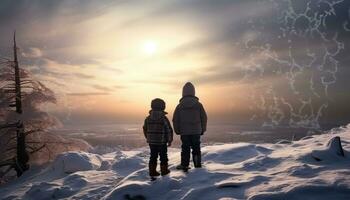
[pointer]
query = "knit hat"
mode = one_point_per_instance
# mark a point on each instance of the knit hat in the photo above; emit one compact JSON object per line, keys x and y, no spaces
{"x":158,"y":104}
{"x":188,"y":90}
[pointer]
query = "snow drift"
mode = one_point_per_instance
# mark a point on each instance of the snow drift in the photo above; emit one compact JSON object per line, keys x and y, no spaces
{"x":316,"y":167}
{"x":71,"y":162}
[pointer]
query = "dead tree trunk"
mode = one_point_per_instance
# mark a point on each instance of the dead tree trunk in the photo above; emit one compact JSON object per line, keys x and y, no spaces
{"x":22,"y":157}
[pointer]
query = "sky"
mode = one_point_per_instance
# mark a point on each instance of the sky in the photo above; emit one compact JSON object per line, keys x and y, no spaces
{"x":267,"y":62}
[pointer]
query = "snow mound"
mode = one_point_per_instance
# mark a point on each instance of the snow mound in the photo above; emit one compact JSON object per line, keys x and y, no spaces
{"x":44,"y":190}
{"x":306,"y":192}
{"x":128,"y":165}
{"x":332,"y":152}
{"x":70,"y":162}
{"x":230,"y":153}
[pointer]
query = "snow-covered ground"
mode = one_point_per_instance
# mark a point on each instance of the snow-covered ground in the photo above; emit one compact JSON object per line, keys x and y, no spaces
{"x":305,"y":169}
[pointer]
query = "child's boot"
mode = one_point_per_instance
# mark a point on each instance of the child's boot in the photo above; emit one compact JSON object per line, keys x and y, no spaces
{"x":153,"y":169}
{"x":164,"y":169}
{"x":197,"y":161}
{"x":183,"y":168}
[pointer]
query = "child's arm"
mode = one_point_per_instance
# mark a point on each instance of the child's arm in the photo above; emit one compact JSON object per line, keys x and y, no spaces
{"x":176,"y":121}
{"x":204,"y":118}
{"x":168,"y":130}
{"x":145,"y":128}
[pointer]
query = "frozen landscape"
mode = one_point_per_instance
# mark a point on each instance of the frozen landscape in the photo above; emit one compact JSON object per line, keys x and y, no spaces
{"x":265,"y":82}
{"x":127,"y":136}
{"x":310,"y":168}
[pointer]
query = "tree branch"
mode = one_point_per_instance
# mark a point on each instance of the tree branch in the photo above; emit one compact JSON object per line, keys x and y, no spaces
{"x":6,"y":171}
{"x":9,"y":60}
{"x":12,"y":125}
{"x":7,"y":162}
{"x":37,"y":149}
{"x":10,"y":149}
{"x":47,"y":142}
{"x":33,"y":131}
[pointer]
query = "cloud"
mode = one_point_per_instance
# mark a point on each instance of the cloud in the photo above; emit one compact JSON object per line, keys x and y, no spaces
{"x":119,"y":87}
{"x":117,"y":70}
{"x":87,"y":93}
{"x":32,"y":53}
{"x":102,"y":88}
{"x":83,"y":76}
{"x":225,"y":75}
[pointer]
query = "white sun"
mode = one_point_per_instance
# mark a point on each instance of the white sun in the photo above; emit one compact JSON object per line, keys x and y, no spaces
{"x":150,"y":47}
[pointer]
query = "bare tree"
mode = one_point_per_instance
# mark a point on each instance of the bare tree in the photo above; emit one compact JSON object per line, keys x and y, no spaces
{"x":13,"y":88}
{"x":23,"y":125}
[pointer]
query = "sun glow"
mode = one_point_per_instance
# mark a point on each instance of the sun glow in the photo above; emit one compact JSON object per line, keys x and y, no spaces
{"x":150,"y":47}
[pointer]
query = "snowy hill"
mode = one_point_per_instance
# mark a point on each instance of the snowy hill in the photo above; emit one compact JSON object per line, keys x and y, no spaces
{"x":305,"y":169}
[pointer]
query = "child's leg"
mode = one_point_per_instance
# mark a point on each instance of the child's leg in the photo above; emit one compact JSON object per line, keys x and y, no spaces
{"x":196,"y":150}
{"x":153,"y":160}
{"x":154,"y":154}
{"x":185,"y":150}
{"x":164,"y":159}
{"x":163,"y":153}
